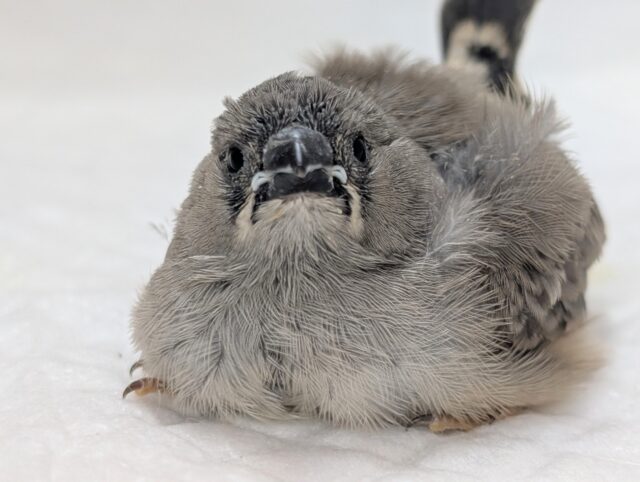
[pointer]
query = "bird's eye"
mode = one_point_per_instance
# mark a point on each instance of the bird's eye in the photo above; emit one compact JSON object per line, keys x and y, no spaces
{"x":360,"y":149}
{"x":235,"y":160}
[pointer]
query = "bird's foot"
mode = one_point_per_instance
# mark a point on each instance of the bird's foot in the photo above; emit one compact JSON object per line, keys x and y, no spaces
{"x":442,"y":423}
{"x":446,"y":423}
{"x":143,"y":386}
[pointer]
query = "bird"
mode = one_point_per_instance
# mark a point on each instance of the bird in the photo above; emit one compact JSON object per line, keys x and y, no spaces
{"x":383,"y":241}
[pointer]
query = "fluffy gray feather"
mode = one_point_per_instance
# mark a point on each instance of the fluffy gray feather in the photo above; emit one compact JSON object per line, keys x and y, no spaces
{"x":440,"y":282}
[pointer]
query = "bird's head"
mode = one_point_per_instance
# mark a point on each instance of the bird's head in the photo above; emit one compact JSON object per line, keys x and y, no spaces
{"x":300,"y":163}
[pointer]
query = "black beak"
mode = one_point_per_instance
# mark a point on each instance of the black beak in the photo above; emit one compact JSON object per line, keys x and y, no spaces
{"x":297,"y":159}
{"x":298,"y":148}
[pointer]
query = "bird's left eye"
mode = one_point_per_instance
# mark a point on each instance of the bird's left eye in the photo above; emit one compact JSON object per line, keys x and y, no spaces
{"x":360,"y":149}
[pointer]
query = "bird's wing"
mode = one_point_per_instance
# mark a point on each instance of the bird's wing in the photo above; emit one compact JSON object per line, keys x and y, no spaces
{"x":545,"y":228}
{"x":547,"y":303}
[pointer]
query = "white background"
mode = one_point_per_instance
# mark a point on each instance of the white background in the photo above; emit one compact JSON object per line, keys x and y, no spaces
{"x":105,"y":109}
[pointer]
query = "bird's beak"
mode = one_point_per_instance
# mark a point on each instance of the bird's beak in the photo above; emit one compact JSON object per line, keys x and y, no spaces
{"x":298,"y":159}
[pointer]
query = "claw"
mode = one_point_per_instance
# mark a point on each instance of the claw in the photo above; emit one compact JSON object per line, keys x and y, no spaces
{"x":135,"y":366}
{"x":144,"y":386}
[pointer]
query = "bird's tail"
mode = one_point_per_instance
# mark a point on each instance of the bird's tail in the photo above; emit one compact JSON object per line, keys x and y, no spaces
{"x":485,"y":35}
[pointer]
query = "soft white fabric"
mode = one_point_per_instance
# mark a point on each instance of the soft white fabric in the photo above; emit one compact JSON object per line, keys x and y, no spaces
{"x":104,"y":112}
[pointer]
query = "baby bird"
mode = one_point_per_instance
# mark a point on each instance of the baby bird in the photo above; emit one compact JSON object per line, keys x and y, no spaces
{"x":379,"y":243}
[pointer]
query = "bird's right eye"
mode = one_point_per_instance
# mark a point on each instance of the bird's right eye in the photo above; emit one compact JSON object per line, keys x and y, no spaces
{"x":235,"y":160}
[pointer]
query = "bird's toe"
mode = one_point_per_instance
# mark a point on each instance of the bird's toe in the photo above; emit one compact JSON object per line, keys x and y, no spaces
{"x":144,"y":386}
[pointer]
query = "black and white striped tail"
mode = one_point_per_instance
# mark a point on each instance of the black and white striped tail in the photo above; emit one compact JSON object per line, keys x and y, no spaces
{"x":485,"y":34}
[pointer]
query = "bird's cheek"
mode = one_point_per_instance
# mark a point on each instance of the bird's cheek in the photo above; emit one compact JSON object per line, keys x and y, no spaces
{"x":244,"y":219}
{"x":356,"y":224}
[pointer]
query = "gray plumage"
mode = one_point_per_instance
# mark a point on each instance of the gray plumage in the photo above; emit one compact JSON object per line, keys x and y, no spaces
{"x":439,"y":281}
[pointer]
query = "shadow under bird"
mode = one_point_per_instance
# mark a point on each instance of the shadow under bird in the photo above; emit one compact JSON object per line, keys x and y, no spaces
{"x":379,"y":243}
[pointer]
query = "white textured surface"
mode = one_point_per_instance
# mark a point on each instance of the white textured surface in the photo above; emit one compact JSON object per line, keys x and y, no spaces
{"x":104,"y":112}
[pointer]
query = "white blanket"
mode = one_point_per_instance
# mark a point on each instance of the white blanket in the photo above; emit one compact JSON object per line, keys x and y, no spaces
{"x":104,"y":113}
